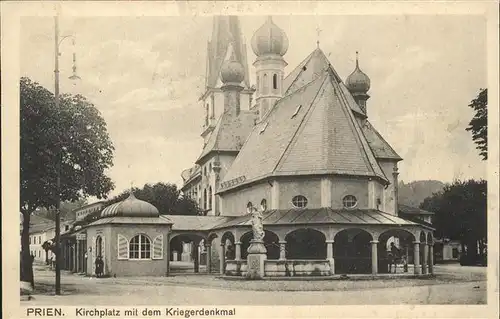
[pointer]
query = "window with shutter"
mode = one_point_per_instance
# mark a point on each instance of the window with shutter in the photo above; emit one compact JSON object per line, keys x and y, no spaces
{"x":122,"y":247}
{"x":158,"y":247}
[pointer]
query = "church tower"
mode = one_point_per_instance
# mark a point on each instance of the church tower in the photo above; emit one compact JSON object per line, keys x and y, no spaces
{"x":270,"y":44}
{"x":226,"y":42}
{"x":358,"y":84}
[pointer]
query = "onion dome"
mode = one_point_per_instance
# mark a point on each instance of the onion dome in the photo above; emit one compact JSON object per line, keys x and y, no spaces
{"x":131,"y":207}
{"x":232,"y":71}
{"x":358,"y":82}
{"x":269,"y":39}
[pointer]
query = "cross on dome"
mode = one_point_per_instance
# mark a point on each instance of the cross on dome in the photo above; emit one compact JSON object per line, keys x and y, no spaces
{"x":318,"y":32}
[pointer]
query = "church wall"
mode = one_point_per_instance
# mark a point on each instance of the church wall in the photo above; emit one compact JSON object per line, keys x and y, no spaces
{"x":210,"y":180}
{"x":308,"y":187}
{"x":219,"y":105}
{"x":146,"y":267}
{"x":245,"y":102}
{"x":390,"y":200}
{"x":342,"y":186}
{"x":235,"y":203}
{"x":379,"y":195}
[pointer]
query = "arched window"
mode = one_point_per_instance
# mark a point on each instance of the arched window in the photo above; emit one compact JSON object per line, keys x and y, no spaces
{"x":210,"y":197}
{"x":265,"y":85}
{"x":249,"y":205}
{"x":98,"y":246}
{"x":299,"y":201}
{"x":140,"y":247}
{"x":263,"y":204}
{"x":205,"y":198}
{"x":349,"y":201}
{"x":258,"y":84}
{"x":275,"y":81}
{"x":209,"y":168}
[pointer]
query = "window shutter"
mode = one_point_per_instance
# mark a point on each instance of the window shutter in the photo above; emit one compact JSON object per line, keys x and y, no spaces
{"x":103,"y":252}
{"x":158,"y":247}
{"x":122,"y":247}
{"x":93,"y":255}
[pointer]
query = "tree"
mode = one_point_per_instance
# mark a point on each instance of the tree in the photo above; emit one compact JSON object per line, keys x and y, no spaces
{"x":479,"y":123}
{"x":71,"y":142}
{"x":164,"y":196}
{"x":461,"y":214}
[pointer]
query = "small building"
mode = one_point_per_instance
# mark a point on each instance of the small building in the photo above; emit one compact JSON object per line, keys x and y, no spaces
{"x":129,"y":236}
{"x":446,"y":250}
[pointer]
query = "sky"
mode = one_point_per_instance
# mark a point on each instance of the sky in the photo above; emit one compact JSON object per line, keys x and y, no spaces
{"x":145,"y":75}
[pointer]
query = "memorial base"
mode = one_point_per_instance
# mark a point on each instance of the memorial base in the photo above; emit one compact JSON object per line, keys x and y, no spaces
{"x":255,"y":260}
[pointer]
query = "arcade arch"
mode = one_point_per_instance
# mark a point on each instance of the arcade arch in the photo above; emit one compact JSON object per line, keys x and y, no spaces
{"x":352,"y":251}
{"x":305,"y":243}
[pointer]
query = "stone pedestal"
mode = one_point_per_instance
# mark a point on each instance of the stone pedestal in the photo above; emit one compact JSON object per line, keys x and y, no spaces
{"x":255,"y":259}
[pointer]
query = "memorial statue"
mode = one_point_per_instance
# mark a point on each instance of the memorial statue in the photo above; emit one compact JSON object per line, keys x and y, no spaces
{"x":257,"y":226}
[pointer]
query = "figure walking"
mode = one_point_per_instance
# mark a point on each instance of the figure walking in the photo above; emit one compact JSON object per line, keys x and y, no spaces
{"x":99,"y":266}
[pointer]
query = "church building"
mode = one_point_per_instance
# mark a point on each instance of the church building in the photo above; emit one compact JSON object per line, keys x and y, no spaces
{"x":298,"y":145}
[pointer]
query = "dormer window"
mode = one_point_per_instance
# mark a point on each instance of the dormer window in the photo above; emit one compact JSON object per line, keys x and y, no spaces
{"x":296,"y":111}
{"x":263,"y":204}
{"x":264,"y":128}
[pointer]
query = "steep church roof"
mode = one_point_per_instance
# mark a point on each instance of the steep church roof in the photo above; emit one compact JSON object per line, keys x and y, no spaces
{"x":378,"y":144}
{"x":312,"y":130}
{"x":312,"y":67}
{"x":226,"y":31}
{"x":229,"y":133}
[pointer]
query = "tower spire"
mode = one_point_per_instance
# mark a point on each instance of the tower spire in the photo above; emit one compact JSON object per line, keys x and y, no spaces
{"x":226,"y":36}
{"x":357,"y":59}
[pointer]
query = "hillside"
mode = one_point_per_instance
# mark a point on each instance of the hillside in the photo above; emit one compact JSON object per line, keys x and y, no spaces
{"x":414,"y":193}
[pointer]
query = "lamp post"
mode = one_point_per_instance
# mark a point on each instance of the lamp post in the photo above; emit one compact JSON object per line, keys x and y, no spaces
{"x":57,"y":43}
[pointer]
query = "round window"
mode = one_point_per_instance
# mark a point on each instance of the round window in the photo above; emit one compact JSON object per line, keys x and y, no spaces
{"x":349,"y":201}
{"x":299,"y":201}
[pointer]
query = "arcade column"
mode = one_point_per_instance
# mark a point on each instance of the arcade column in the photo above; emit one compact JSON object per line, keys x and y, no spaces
{"x":208,"y":249}
{"x":282,"y":249}
{"x":238,"y":250}
{"x":374,"y":257}
{"x":222,"y":258}
{"x":329,"y":255}
{"x":416,"y":257}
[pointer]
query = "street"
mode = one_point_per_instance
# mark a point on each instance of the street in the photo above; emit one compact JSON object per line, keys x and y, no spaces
{"x":453,"y":285}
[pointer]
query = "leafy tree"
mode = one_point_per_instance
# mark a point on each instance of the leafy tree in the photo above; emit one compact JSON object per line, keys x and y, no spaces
{"x":479,"y":123}
{"x":460,"y":214}
{"x":164,"y":196}
{"x":70,"y":141}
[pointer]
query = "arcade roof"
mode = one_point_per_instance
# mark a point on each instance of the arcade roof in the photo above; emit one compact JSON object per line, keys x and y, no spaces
{"x":322,"y":216}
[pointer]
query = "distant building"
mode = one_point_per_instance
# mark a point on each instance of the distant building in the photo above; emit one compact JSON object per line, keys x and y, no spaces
{"x":42,"y":230}
{"x":446,"y":250}
{"x":82,"y":212}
